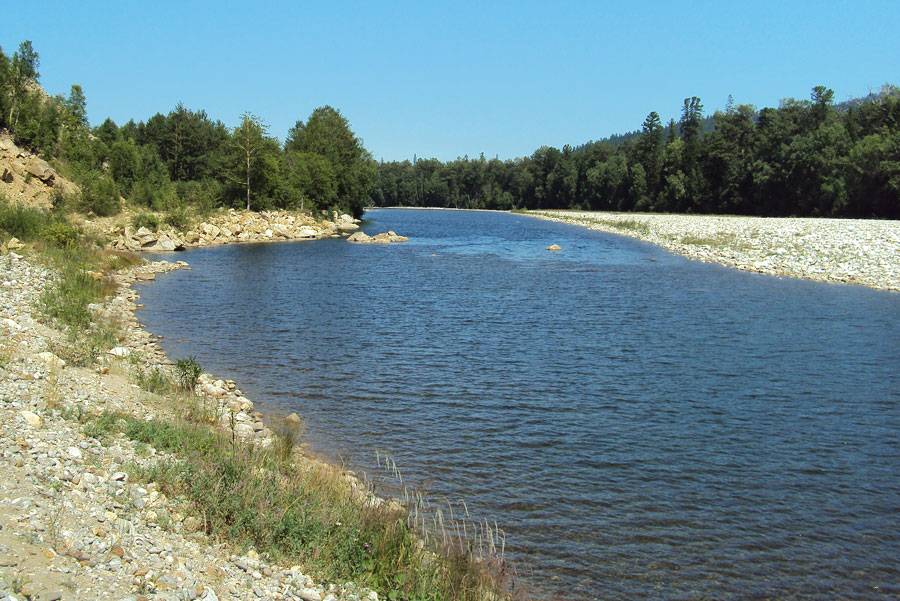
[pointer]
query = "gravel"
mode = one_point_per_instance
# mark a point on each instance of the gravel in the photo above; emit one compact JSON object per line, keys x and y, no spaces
{"x":73,"y":525}
{"x":853,"y":251}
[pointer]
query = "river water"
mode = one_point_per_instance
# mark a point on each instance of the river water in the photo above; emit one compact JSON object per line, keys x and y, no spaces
{"x":640,"y":425}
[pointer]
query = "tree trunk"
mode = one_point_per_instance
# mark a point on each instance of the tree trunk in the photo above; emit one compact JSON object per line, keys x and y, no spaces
{"x":248,"y":175}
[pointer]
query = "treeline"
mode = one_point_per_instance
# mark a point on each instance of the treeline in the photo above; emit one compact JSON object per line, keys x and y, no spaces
{"x":805,"y":158}
{"x":184,"y":159}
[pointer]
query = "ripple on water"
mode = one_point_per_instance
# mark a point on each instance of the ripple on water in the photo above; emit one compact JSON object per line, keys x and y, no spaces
{"x":641,"y":425}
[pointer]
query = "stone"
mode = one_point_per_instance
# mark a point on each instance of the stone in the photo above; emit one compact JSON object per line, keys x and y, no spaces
{"x":40,"y":169}
{"x":293,"y":418}
{"x":361,"y":237}
{"x":14,"y":244}
{"x":244,"y":430}
{"x":31,"y":419}
{"x":119,"y":351}
{"x":310,"y":594}
{"x":191,"y":524}
{"x":554,"y":247}
{"x":51,"y":360}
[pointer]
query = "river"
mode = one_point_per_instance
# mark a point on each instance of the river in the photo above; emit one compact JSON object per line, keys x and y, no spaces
{"x":640,"y":425}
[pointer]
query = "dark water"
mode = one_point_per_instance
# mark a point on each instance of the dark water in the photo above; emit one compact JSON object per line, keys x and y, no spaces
{"x":640,"y":425}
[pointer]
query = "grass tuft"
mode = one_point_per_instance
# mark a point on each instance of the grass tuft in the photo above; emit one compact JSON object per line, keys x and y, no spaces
{"x":187,"y":373}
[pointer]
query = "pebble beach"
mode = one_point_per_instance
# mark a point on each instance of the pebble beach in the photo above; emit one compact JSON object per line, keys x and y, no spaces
{"x":851,"y":251}
{"x":73,"y":524}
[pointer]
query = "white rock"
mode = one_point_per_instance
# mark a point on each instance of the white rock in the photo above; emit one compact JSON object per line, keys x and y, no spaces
{"x":244,"y":429}
{"x":51,"y":360}
{"x":119,"y":351}
{"x":74,"y":452}
{"x":31,"y":419}
{"x":310,"y":594}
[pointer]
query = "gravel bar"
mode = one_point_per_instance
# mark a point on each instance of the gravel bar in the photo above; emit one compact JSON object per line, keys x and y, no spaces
{"x":851,"y":251}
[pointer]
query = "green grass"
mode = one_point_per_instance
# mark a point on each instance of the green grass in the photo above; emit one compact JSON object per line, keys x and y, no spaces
{"x":147,"y":220}
{"x":153,"y":380}
{"x":253,"y":497}
{"x":76,"y":287}
{"x":24,"y":223}
{"x":187,"y":373}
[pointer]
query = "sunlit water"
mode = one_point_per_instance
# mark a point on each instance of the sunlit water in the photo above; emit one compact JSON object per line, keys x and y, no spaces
{"x":639,"y":424}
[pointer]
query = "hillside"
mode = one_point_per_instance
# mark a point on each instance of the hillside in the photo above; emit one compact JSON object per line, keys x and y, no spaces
{"x":28,"y":179}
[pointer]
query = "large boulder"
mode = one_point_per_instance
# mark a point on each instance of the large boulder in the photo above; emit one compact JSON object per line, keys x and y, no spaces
{"x":163,"y":243}
{"x":360,"y":237}
{"x":40,"y":169}
{"x":383,"y":238}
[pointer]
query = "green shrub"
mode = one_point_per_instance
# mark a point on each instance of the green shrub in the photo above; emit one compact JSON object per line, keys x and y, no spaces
{"x":178,"y":217}
{"x":105,"y":423}
{"x":25,"y":223}
{"x":61,"y":234}
{"x":60,"y":202}
{"x":153,"y":380}
{"x":68,"y":298}
{"x":187,"y":373}
{"x":100,"y":196}
{"x":147,"y":220}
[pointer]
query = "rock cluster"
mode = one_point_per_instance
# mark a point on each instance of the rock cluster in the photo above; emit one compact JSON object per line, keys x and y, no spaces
{"x":27,"y":178}
{"x":73,"y":524}
{"x":854,"y":251}
{"x":230,"y":227}
{"x":384,"y":238}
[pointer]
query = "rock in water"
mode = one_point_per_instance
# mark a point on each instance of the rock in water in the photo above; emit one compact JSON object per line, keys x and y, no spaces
{"x":554,"y":247}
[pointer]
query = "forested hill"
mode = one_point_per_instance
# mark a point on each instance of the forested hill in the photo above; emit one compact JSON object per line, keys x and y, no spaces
{"x":182,"y":162}
{"x":804,"y":158}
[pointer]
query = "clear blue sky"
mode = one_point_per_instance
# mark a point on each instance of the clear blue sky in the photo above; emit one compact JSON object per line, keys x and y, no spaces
{"x":446,"y":79}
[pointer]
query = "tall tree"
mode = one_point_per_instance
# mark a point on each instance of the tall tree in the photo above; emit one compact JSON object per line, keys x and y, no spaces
{"x":24,"y":70}
{"x":327,"y":133}
{"x":76,"y":107}
{"x":248,"y":140}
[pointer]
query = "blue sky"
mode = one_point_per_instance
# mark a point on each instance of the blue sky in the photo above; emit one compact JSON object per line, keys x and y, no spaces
{"x":446,"y":79}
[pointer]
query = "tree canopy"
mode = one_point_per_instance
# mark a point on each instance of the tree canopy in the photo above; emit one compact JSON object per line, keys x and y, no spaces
{"x":805,"y":157}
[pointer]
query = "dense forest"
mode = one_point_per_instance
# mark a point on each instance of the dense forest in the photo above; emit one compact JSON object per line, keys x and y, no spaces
{"x":184,"y":160}
{"x":805,"y":158}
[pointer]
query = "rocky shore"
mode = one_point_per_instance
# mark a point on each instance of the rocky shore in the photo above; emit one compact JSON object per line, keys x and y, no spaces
{"x":852,"y":251}
{"x":73,"y":525}
{"x":229,"y":227}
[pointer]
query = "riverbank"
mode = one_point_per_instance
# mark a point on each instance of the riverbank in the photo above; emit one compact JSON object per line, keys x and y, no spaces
{"x":852,"y":251}
{"x":83,"y":433}
{"x":74,"y":523}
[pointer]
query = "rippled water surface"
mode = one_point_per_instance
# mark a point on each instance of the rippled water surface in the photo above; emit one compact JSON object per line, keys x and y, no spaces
{"x":640,"y":425}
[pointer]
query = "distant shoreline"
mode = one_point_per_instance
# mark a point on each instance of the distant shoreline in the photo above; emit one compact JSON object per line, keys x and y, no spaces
{"x":850,"y":251}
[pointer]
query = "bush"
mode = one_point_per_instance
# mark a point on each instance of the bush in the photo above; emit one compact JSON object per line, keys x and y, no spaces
{"x":68,"y":299}
{"x":100,"y":196}
{"x":25,"y":223}
{"x":178,"y":217}
{"x":187,"y":373}
{"x":61,"y":234}
{"x":153,"y":380}
{"x":147,"y":220}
